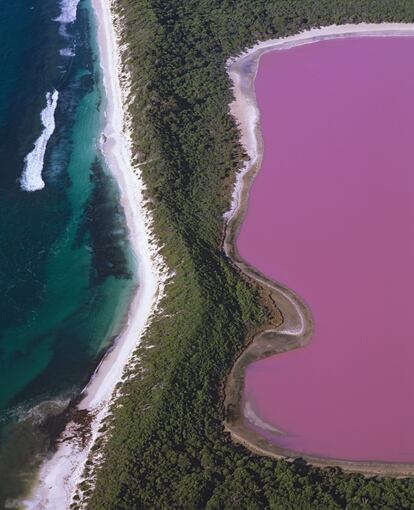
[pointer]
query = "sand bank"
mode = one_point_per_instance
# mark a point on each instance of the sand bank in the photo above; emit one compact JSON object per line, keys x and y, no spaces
{"x":60,"y":474}
{"x":297,"y":326}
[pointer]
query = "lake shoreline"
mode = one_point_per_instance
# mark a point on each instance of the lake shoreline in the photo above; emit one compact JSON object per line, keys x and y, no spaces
{"x":297,"y":326}
{"x":61,"y":473}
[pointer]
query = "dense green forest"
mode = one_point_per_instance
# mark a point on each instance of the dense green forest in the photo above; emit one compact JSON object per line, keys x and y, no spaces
{"x":167,"y":447}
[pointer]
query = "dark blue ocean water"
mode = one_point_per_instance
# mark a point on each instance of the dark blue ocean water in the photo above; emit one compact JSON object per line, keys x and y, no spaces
{"x":66,"y":272}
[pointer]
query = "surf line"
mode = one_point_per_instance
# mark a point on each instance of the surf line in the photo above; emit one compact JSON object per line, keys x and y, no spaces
{"x":31,"y":179}
{"x":68,"y":11}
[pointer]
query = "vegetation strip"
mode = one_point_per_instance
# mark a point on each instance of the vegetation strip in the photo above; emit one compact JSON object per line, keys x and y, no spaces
{"x":166,"y":447}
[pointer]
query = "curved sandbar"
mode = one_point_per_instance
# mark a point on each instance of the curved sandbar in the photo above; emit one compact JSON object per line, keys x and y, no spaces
{"x":296,"y":329}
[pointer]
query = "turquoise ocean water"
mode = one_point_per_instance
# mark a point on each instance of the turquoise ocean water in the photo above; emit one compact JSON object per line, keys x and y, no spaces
{"x":66,"y":270}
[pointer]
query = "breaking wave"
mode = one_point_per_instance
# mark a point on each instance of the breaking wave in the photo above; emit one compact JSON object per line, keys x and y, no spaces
{"x":36,"y":412}
{"x":31,"y":179}
{"x":68,"y":11}
{"x":67,"y":52}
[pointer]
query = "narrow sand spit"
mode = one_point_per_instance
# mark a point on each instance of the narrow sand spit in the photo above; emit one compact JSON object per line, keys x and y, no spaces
{"x":296,"y":329}
{"x":59,"y":475}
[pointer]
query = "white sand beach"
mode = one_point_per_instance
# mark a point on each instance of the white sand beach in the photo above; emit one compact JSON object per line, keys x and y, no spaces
{"x":60,"y":474}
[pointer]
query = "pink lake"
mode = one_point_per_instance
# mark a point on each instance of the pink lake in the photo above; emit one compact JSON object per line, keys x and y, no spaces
{"x":331,"y":216}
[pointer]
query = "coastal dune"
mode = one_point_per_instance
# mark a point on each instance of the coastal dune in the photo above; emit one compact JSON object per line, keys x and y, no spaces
{"x":61,"y":473}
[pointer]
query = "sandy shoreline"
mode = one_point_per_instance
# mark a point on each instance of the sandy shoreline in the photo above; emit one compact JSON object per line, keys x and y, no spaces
{"x":296,"y":328}
{"x":60,"y":474}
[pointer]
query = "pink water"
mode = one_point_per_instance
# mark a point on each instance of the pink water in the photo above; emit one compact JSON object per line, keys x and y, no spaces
{"x":331,"y":215}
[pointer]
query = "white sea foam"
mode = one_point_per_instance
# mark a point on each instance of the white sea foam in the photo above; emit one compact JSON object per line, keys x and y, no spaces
{"x":68,"y":11}
{"x":61,"y":473}
{"x":31,"y":179}
{"x":36,"y":412}
{"x":67,"y":52}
